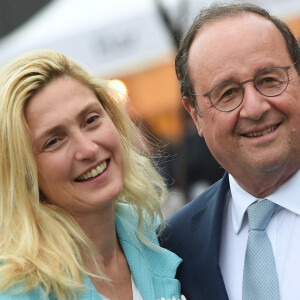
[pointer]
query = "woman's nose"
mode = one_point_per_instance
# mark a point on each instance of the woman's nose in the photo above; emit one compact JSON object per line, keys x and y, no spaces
{"x":85,"y":147}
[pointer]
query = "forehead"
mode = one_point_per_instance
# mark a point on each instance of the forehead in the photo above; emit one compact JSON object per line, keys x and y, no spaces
{"x":240,"y":44}
{"x":61,"y":102}
{"x":59,"y":93}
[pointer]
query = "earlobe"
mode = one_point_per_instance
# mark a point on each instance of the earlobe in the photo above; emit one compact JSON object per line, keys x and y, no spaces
{"x":193,"y":113}
{"x":199,"y":129}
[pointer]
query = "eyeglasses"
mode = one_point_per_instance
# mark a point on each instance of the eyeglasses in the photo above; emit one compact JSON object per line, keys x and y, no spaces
{"x":269,"y":82}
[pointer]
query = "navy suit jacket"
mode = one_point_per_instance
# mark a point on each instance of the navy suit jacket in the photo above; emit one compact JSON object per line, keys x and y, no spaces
{"x":194,"y":234}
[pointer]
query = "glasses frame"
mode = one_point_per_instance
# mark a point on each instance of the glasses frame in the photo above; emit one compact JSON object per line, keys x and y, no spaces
{"x":241,"y":84}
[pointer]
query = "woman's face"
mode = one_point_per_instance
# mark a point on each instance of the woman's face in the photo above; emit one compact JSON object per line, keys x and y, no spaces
{"x":77,"y":148}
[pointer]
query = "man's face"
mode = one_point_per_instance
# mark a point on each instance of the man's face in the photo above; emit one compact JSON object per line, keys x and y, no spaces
{"x":261,"y":138}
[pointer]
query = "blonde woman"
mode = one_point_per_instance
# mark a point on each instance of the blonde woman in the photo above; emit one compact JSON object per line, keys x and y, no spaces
{"x":79,"y":199}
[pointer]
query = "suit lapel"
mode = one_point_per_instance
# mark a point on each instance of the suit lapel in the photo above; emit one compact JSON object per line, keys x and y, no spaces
{"x":206,"y":225}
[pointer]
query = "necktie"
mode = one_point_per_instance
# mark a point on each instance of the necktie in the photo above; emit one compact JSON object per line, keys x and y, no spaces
{"x":260,"y":278}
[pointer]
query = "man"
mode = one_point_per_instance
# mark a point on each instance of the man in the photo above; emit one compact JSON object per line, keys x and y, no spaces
{"x":239,"y":79}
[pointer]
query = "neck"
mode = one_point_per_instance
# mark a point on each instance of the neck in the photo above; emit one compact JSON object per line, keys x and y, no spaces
{"x":100,"y":229}
{"x":263,"y":184}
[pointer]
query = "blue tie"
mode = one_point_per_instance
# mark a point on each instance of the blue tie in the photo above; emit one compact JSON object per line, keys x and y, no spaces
{"x":260,"y":278}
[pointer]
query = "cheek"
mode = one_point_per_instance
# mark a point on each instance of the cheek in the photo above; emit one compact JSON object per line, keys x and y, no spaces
{"x":289,"y":100}
{"x":119,"y":150}
{"x":51,"y":172}
{"x":112,"y":139}
{"x":289,"y":107}
{"x":214,"y":122}
{"x":219,"y":128}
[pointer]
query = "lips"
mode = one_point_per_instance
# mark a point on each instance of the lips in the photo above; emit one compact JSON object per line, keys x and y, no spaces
{"x":261,"y":132}
{"x":93,"y":173}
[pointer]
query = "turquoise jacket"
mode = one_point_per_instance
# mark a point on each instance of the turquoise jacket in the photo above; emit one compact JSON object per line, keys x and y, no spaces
{"x":153,"y":268}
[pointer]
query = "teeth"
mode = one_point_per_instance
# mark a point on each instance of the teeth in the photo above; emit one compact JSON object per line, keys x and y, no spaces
{"x":93,"y":173}
{"x":262,"y":132}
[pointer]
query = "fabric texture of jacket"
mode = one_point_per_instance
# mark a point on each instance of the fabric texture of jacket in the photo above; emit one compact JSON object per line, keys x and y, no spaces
{"x":194,"y":234}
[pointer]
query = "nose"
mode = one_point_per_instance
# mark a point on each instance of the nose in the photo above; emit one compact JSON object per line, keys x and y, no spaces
{"x":85,"y":147}
{"x":254,"y":104}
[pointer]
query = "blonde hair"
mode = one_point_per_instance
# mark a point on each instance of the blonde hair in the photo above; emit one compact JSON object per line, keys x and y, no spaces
{"x":40,"y":244}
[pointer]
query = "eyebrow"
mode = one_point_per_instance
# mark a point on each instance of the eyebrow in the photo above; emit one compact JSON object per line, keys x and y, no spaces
{"x":90,"y":106}
{"x":60,"y":128}
{"x":230,"y":79}
{"x":39,"y":140}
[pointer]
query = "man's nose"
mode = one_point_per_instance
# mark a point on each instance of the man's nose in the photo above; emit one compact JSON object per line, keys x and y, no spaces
{"x":85,"y":147}
{"x":254,"y":103}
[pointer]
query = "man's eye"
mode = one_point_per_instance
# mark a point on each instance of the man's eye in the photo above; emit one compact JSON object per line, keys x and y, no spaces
{"x":229,"y":92}
{"x":269,"y":80}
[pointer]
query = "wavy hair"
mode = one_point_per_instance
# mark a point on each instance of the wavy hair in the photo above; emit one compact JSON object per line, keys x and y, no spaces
{"x":41,"y":245}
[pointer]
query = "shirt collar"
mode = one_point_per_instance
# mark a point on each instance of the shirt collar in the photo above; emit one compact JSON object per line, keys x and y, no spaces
{"x":287,"y":196}
{"x":240,"y":202}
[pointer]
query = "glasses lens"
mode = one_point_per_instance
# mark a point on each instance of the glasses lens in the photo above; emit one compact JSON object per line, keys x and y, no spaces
{"x":226,"y":96}
{"x":272,"y":81}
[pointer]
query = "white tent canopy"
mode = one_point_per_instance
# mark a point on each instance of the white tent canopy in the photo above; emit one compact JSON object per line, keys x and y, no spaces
{"x":112,"y":37}
{"x":107,"y":36}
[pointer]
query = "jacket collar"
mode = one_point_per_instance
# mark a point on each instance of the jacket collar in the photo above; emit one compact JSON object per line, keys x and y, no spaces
{"x":206,"y":225}
{"x":147,"y":263}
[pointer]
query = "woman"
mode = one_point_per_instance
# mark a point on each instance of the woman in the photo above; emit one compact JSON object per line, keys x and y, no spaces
{"x":79,"y":199}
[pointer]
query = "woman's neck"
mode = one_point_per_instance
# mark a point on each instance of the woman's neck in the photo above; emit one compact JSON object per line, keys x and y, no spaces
{"x":100,"y":229}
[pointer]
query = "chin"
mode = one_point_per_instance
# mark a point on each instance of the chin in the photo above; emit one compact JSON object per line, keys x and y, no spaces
{"x":115,"y":191}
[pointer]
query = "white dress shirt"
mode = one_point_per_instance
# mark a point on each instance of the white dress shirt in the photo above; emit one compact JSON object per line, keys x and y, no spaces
{"x":283,"y":231}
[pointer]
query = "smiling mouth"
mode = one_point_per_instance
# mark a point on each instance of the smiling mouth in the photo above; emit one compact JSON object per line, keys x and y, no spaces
{"x":93,"y":173}
{"x":261,"y":132}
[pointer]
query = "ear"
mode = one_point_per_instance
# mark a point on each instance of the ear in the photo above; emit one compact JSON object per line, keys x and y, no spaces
{"x":194,"y":114}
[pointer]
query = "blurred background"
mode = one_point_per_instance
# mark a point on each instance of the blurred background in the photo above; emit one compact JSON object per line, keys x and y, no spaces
{"x":132,"y":44}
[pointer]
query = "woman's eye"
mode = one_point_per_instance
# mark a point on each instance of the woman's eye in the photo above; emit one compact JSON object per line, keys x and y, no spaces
{"x":51,"y":143}
{"x":92,"y":119}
